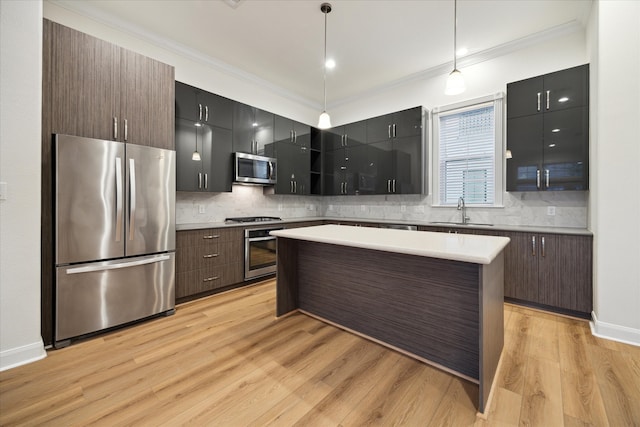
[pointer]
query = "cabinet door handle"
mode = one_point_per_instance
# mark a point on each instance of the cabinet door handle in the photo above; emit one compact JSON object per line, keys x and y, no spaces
{"x":211,"y":236}
{"x":542,"y":246}
{"x":115,"y":128}
{"x":394,"y":185}
{"x":210,"y":256}
{"x":394,"y":130}
{"x":388,"y":186}
{"x":346,"y":140}
{"x":206,"y":181}
{"x":210,"y":279}
{"x":546,"y":177}
{"x":389,"y":131}
{"x":199,"y":112}
{"x":295,"y":187}
{"x":206,"y":113}
{"x":295,"y":137}
{"x":538,"y":179}
{"x":548,"y":96}
{"x":539,"y":96}
{"x":533,"y":245}
{"x":290,"y":186}
{"x":199,"y":179}
{"x":126,"y":130}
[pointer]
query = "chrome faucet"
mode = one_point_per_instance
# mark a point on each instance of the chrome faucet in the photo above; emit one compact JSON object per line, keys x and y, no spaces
{"x":463,"y":210}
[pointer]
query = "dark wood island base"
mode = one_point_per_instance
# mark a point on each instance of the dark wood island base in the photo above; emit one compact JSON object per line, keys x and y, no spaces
{"x":443,"y":312}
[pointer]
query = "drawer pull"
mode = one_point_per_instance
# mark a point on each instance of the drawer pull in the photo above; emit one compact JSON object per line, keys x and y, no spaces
{"x":214,"y":236}
{"x":210,"y":279}
{"x":210,"y":256}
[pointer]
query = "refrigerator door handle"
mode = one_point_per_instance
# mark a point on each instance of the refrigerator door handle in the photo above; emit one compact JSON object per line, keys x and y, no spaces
{"x":94,"y":268}
{"x":132,"y":198}
{"x":119,"y":198}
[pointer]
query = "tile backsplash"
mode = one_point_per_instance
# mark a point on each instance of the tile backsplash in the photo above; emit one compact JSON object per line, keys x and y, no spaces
{"x":529,"y":209}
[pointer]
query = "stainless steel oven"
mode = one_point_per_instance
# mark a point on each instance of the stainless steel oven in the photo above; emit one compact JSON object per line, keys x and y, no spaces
{"x":259,"y":252}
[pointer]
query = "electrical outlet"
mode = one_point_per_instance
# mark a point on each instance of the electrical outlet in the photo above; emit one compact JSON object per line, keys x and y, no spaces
{"x":311,"y":208}
{"x":551,"y":210}
{"x":403,"y":208}
{"x":363,"y":208}
{"x":201,"y":209}
{"x":420,"y":209}
{"x":280,"y":207}
{"x":330,"y":207}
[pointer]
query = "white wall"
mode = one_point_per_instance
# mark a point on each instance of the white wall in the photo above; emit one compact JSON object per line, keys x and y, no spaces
{"x":614,"y":38}
{"x":20,"y":117}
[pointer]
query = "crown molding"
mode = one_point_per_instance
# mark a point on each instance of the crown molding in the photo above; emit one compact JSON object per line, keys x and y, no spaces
{"x":469,"y":60}
{"x":85,"y":9}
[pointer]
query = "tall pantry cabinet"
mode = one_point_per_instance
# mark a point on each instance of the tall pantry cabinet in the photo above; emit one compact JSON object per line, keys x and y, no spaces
{"x":95,"y":89}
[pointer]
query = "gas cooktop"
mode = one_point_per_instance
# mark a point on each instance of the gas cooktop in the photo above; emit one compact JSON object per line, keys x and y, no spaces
{"x":253,"y":219}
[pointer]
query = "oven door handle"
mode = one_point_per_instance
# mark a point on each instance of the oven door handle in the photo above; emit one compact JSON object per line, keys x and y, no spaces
{"x":260,"y":239}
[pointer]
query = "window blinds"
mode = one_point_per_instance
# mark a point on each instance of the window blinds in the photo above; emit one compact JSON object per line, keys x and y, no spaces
{"x":466,"y":160}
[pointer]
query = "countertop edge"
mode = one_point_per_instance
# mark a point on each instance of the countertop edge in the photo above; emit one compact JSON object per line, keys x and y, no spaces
{"x":422,"y":250}
{"x":497,"y":227}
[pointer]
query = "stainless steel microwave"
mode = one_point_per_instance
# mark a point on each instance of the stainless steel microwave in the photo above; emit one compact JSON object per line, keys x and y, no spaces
{"x":253,"y":169}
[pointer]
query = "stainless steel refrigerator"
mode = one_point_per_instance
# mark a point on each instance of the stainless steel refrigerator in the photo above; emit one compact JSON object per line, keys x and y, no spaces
{"x":114,"y":237}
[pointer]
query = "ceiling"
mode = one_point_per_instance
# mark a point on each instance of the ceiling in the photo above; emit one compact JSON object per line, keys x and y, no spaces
{"x":374,"y":43}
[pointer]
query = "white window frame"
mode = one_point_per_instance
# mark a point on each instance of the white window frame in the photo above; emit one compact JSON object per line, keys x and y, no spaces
{"x":497,"y":101}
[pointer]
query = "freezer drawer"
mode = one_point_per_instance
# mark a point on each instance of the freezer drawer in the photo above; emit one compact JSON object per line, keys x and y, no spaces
{"x":95,"y":296}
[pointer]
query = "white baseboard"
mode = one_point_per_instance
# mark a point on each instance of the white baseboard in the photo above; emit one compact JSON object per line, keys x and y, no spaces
{"x":614,"y":332}
{"x":18,"y":356}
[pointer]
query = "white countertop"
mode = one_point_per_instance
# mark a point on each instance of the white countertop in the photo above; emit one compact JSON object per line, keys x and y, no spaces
{"x":517,"y":228}
{"x":458,"y":247}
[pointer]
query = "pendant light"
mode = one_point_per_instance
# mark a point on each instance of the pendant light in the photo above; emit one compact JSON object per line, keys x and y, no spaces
{"x":196,"y":156}
{"x":324,"y":122}
{"x":455,"y":81}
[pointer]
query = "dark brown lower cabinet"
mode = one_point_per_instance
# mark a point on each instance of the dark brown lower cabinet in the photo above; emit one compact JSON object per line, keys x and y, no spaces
{"x":207,"y":260}
{"x":550,"y":271}
{"x":565,"y":272}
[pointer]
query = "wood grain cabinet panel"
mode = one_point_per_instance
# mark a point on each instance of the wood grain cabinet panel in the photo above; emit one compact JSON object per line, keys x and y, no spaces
{"x":565,"y":272}
{"x":550,"y":271}
{"x":147,"y":101}
{"x":207,"y":260}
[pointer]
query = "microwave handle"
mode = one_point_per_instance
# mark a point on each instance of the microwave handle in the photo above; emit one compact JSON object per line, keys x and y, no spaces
{"x":270,"y":170}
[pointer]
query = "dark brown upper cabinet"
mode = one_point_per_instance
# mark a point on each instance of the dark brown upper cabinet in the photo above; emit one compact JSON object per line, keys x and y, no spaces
{"x":549,"y":139}
{"x":95,"y":89}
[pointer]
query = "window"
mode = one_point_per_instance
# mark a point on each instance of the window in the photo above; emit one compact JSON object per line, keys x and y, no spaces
{"x":467,"y":153}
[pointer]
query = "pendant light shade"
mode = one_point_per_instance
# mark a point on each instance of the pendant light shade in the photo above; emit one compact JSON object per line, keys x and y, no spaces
{"x":324,"y":122}
{"x":196,"y":156}
{"x":455,"y":81}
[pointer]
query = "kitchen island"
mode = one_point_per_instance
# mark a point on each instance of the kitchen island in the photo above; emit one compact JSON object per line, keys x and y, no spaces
{"x":434,"y":296}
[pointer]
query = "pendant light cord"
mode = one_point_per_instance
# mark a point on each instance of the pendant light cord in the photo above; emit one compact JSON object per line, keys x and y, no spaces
{"x":324,"y":66}
{"x":455,"y":32}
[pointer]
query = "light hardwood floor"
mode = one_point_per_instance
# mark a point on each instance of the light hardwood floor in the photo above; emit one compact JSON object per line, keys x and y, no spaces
{"x":225,"y":360}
